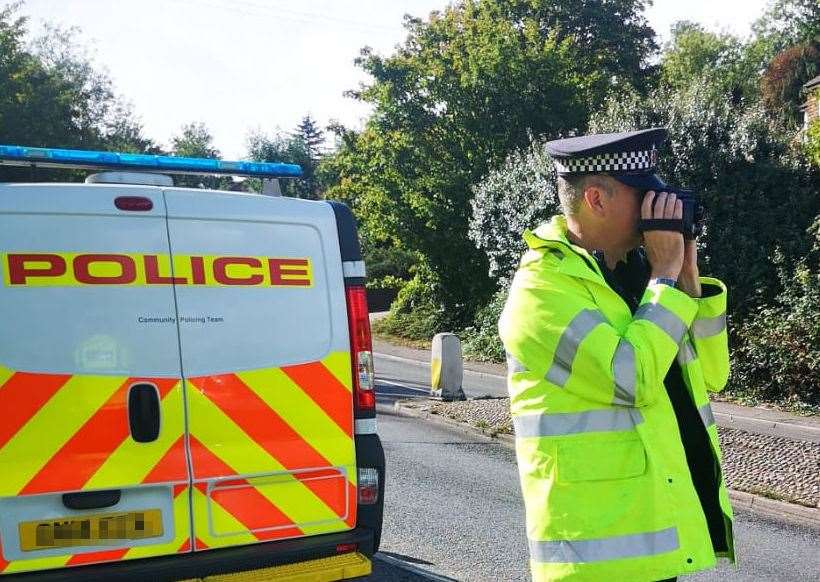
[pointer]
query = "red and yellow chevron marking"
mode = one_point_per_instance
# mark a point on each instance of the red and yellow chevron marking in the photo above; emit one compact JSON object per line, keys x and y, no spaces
{"x":272,"y":452}
{"x":294,"y":426}
{"x":70,"y":433}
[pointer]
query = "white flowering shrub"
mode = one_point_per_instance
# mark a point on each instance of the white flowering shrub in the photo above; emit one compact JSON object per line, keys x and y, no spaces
{"x":518,"y":195}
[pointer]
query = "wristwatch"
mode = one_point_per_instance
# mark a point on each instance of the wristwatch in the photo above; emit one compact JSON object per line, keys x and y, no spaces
{"x":663,"y":281}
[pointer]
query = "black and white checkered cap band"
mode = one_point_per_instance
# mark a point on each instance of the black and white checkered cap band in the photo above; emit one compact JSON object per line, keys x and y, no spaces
{"x":612,"y":162}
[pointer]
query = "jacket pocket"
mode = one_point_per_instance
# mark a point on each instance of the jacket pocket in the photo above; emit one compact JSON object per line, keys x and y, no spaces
{"x":601,"y":459}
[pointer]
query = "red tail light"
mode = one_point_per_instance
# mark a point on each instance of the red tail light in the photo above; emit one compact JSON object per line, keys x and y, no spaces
{"x":368,"y":486}
{"x":133,"y":203}
{"x":361,"y":349}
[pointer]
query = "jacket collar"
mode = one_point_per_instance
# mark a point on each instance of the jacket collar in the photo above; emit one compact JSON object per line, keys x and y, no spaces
{"x":577,"y":262}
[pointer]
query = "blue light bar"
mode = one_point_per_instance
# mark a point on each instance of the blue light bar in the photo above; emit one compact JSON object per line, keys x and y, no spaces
{"x":94,"y":160}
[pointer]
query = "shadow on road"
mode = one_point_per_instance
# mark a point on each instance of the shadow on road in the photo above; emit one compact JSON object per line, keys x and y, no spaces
{"x":400,"y":568}
{"x":389,"y":390}
{"x":404,"y":558}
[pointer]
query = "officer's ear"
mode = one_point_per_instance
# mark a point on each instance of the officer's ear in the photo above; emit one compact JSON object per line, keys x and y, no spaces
{"x":597,"y":196}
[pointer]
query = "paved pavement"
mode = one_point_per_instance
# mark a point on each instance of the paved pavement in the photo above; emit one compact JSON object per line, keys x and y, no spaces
{"x":453,"y":508}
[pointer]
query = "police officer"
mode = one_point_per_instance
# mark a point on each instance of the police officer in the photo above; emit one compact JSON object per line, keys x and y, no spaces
{"x":613,"y":340}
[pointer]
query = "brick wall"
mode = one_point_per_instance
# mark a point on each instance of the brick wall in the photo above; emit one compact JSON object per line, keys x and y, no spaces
{"x":810,"y":107}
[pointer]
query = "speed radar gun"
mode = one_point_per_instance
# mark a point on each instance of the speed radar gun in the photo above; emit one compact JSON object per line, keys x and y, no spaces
{"x":690,"y":225}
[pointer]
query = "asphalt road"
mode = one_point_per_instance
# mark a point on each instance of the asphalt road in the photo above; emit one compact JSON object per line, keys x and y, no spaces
{"x":453,"y":506}
{"x":396,"y":374}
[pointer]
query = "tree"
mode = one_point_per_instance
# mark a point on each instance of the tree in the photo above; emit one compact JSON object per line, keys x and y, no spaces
{"x":52,"y":96}
{"x":694,"y":53}
{"x":518,"y":195}
{"x":290,"y":149}
{"x":313,"y":138}
{"x":787,"y":23}
{"x":467,"y":86}
{"x":782,"y":83}
{"x":194,"y":140}
{"x":812,"y":144}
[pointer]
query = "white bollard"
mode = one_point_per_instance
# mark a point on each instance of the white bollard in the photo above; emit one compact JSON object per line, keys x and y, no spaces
{"x":446,"y":367}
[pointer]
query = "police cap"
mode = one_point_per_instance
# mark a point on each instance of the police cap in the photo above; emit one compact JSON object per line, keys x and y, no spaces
{"x":629,"y":156}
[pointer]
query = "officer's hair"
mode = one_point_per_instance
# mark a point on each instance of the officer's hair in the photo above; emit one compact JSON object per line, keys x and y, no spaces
{"x":571,"y":190}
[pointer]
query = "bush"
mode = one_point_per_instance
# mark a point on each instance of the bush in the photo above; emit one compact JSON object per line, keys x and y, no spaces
{"x":416,"y":313}
{"x":518,"y":195}
{"x":778,"y":353}
{"x":812,"y":145}
{"x":387,"y":266}
{"x":480,"y":340}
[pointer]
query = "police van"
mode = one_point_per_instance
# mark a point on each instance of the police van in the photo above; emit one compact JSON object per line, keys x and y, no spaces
{"x":186,"y":377}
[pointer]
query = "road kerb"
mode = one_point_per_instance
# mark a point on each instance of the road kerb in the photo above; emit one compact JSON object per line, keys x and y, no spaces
{"x":773,"y":508}
{"x":757,"y":504}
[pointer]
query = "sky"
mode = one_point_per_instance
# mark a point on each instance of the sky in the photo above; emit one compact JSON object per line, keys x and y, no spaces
{"x":261,"y":65}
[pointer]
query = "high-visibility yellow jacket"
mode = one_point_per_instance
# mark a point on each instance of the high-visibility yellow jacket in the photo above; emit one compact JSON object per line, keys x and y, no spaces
{"x":607,"y":489}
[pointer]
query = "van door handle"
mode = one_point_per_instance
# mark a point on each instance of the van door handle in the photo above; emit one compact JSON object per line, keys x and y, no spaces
{"x":143,"y":412}
{"x":92,"y":499}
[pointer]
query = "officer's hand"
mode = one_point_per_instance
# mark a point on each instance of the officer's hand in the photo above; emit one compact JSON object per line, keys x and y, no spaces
{"x":664,"y":248}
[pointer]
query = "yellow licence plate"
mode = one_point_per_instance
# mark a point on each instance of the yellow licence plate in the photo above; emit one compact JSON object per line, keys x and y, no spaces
{"x":90,"y":530}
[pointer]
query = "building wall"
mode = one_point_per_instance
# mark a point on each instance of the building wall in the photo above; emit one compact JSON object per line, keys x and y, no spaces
{"x":811,"y":108}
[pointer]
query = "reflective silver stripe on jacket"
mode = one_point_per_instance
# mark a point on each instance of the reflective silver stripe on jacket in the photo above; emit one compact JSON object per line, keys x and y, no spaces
{"x":706,"y":415}
{"x":708,"y":326}
{"x":613,"y":548}
{"x":514,"y":365}
{"x":623,"y":370}
{"x":686,"y":352}
{"x":563,"y":423}
{"x":670,"y":323}
{"x":578,"y":329}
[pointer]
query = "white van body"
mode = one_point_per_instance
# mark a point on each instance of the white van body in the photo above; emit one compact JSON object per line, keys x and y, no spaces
{"x":176,"y":380}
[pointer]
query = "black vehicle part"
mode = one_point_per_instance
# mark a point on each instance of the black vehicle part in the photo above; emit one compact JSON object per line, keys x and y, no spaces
{"x":208,"y":563}
{"x":369,"y":453}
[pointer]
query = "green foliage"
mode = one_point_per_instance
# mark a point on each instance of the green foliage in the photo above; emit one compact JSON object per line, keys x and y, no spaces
{"x":787,"y":23}
{"x":465,"y":89}
{"x":520,"y":194}
{"x":194,"y":140}
{"x":777,"y":358}
{"x":694,"y":53}
{"x":481,"y":340}
{"x":303,"y":146}
{"x":52,"y":96}
{"x":387,"y":267}
{"x":416,"y":313}
{"x":287,"y":148}
{"x":812,"y":144}
{"x":312,"y":137}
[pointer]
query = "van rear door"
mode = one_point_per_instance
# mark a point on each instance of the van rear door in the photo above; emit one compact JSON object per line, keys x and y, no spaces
{"x":265,"y":358}
{"x":92,"y":451}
